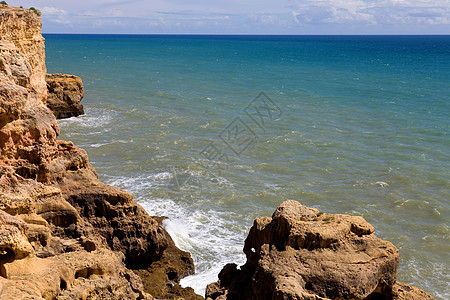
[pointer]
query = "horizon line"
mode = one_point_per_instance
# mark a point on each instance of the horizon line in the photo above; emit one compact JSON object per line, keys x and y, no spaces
{"x":259,"y":34}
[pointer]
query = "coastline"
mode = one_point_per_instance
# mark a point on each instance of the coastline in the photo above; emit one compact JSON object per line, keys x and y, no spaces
{"x":77,"y":200}
{"x":64,"y":233}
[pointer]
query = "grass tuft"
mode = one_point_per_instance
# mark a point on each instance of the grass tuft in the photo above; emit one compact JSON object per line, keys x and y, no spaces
{"x":36,"y":11}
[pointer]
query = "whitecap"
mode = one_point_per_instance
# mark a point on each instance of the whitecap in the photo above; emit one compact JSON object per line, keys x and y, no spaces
{"x":382,"y":184}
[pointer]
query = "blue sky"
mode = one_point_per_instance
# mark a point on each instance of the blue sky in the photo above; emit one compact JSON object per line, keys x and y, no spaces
{"x":244,"y":16}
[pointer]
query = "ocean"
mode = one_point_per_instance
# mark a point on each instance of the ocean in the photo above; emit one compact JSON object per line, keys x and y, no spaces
{"x":215,"y":131}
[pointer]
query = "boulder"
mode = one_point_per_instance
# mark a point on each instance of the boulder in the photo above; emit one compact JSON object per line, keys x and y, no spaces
{"x":65,"y":93}
{"x":302,"y":253}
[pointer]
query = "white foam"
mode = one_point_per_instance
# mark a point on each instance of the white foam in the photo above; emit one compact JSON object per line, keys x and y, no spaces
{"x":200,"y":280}
{"x":204,"y":234}
{"x":214,"y":238}
{"x":93,"y":117}
{"x":162,"y":176}
{"x":382,"y":184}
{"x":272,"y":186}
{"x":136,"y":185}
{"x":98,"y":145}
{"x":179,"y":231}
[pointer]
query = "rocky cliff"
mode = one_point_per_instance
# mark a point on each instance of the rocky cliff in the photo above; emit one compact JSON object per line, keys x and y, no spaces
{"x":302,"y":253}
{"x":63,"y":233}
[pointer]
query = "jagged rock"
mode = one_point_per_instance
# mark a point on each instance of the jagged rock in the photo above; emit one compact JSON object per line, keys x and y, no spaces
{"x":302,"y":253}
{"x":403,"y":291}
{"x":173,"y":265}
{"x":13,"y":242}
{"x":123,"y":223}
{"x":72,"y":275}
{"x":64,"y":95}
{"x":63,"y":233}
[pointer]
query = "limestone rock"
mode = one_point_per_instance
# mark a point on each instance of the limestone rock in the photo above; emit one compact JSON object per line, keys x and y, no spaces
{"x":13,"y":242}
{"x":73,"y":275}
{"x":114,"y":214}
{"x":26,"y":127}
{"x":64,"y":95}
{"x":302,"y":253}
{"x":23,"y":50}
{"x":403,"y":291}
{"x":162,"y":277}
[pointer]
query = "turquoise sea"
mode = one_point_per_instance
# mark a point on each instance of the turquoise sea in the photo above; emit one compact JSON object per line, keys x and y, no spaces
{"x":215,"y":131}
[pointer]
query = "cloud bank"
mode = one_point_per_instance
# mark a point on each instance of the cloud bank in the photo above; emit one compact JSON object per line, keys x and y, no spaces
{"x":245,"y":17}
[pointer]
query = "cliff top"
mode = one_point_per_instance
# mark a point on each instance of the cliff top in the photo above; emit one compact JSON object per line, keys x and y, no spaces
{"x":5,"y":8}
{"x":19,"y":23}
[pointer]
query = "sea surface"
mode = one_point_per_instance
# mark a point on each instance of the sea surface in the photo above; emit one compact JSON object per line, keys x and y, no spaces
{"x":215,"y":131}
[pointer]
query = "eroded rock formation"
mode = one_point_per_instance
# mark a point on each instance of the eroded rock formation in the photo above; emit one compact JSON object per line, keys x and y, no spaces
{"x":302,"y":253}
{"x":65,"y":93}
{"x":63,"y":233}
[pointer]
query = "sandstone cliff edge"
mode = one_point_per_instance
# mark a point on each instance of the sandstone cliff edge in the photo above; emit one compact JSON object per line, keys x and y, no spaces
{"x":63,"y":233}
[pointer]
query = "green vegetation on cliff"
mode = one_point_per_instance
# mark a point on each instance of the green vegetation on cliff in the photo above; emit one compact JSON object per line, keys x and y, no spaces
{"x":36,"y":11}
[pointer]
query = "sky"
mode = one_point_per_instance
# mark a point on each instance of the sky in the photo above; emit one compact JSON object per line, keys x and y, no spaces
{"x":243,"y":16}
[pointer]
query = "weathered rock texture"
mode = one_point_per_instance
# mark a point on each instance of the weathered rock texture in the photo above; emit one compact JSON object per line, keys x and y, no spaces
{"x":168,"y":269}
{"x":65,"y":93}
{"x":301,"y":253}
{"x":63,"y":233}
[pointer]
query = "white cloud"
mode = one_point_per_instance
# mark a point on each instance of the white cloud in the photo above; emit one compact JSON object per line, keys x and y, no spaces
{"x":55,"y":15}
{"x":417,"y":11}
{"x":53,"y":11}
{"x":372,"y":12}
{"x":265,"y":19}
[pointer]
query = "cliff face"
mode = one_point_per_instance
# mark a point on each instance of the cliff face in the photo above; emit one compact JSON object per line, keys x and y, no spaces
{"x":24,"y":119}
{"x":63,"y":233}
{"x":23,"y":50}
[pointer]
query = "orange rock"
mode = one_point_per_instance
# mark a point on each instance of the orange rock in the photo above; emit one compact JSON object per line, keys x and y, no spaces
{"x":64,"y":95}
{"x":302,"y":253}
